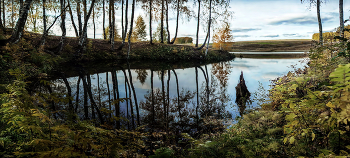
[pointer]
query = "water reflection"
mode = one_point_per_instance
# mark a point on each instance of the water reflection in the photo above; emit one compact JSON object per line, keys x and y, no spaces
{"x":164,"y":99}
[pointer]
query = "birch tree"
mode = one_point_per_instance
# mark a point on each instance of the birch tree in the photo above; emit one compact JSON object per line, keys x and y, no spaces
{"x":318,"y":4}
{"x":131,"y":26}
{"x":18,"y":30}
{"x":1,"y":25}
{"x":83,"y":35}
{"x":63,"y":25}
{"x":341,"y":18}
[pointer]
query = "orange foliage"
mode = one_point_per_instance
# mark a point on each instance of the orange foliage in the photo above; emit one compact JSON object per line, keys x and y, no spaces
{"x":222,"y":37}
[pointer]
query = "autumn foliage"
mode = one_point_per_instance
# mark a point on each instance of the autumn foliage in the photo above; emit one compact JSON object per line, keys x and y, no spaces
{"x":222,"y":36}
{"x":182,"y":40}
{"x":330,"y":36}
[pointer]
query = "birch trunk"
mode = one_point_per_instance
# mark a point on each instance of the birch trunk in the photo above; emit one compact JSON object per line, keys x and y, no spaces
{"x":3,"y":13}
{"x":162,"y":23}
{"x":44,"y":21}
{"x":104,"y":19}
{"x":206,"y":51}
{"x":83,"y":36}
{"x":167,"y":20}
{"x":79,"y":18}
{"x":130,"y":31}
{"x":112,"y":31}
{"x":1,"y":8}
{"x":177,"y":21}
{"x":199,"y":9}
{"x":319,"y":21}
{"x":63,"y":24}
{"x":72,"y":19}
{"x":341,"y":18}
{"x":18,"y":31}
{"x":150,"y":22}
{"x":126,"y":25}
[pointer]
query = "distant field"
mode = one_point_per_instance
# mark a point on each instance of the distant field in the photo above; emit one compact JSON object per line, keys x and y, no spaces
{"x":272,"y":45}
{"x":282,"y":45}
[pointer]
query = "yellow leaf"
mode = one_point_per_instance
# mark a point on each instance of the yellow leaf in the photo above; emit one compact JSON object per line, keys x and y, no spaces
{"x":313,"y":136}
{"x":291,"y":140}
{"x":285,"y":140}
{"x":341,"y":132}
{"x":329,"y":104}
{"x":292,"y":105}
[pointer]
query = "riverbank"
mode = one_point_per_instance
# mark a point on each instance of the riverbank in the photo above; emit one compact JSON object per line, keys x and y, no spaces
{"x":100,"y":49}
{"x":284,"y":45}
{"x":35,"y":59}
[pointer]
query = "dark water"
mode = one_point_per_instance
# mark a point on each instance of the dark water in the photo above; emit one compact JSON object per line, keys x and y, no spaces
{"x":181,"y":94}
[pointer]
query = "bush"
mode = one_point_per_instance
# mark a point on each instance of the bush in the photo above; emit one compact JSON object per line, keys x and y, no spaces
{"x":182,"y":40}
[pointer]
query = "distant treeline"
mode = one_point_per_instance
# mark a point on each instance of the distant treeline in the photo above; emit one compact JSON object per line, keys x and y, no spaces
{"x":329,"y":36}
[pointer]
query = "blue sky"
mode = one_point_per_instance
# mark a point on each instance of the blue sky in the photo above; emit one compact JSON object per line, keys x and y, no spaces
{"x":262,"y":20}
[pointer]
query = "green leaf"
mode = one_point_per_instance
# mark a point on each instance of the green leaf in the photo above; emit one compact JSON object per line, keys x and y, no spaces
{"x":313,"y":136}
{"x":291,"y":117}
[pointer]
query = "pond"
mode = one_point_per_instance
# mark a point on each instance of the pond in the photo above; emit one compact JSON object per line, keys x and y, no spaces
{"x":183,"y":93}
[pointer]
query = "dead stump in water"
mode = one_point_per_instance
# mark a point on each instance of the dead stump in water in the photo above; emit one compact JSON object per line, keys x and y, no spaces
{"x":242,"y":95}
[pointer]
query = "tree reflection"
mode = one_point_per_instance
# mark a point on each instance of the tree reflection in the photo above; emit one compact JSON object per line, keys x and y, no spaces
{"x":89,"y":92}
{"x":141,"y":75}
{"x":180,"y":113}
{"x":131,"y":105}
{"x":183,"y":110}
{"x":77,"y":96}
{"x":135,"y":98}
{"x":116,"y":98}
{"x":221,"y":71}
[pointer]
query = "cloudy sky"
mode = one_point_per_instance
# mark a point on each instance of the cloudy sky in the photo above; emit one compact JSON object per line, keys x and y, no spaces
{"x":282,"y":19}
{"x":263,"y":20}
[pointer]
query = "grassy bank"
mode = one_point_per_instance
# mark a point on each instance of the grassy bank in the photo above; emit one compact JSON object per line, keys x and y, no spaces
{"x":35,"y":59}
{"x":306,"y":114}
{"x":99,"y":49}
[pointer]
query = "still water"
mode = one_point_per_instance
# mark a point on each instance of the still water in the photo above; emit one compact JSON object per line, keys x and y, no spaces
{"x":180,"y":94}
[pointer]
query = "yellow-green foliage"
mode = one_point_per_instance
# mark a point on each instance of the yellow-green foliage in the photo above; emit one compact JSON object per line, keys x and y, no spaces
{"x":116,"y":35}
{"x":28,"y":129}
{"x":329,"y":36}
{"x":258,"y":134}
{"x":182,"y":40}
{"x":316,"y":106}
